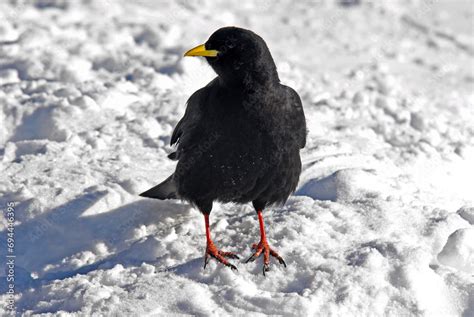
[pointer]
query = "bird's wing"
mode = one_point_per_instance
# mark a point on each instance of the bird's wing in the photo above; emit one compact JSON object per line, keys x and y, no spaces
{"x":191,"y":118}
{"x":296,"y":115}
{"x":192,"y":114}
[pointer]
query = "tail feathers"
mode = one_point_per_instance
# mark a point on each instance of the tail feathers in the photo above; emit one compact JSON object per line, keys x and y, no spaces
{"x":165,"y":190}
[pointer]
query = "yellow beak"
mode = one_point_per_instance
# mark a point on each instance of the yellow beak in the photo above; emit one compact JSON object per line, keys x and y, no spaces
{"x":200,"y":50}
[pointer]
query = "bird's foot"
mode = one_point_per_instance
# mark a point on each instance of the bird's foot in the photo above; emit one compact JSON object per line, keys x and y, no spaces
{"x":212,"y":251}
{"x":263,"y":246}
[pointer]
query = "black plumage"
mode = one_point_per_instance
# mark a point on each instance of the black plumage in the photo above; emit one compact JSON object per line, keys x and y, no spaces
{"x":240,"y":137}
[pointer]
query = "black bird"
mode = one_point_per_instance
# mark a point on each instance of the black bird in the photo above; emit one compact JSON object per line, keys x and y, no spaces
{"x":240,"y":137}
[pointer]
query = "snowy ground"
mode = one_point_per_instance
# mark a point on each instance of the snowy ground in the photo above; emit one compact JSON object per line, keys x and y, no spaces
{"x":381,"y":224}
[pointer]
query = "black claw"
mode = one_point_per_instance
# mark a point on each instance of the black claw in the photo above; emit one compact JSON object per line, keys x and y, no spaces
{"x":233,"y":256}
{"x":282,"y":261}
{"x":251,"y":259}
{"x":266,"y":268}
{"x":206,"y":260}
{"x":233,"y":267}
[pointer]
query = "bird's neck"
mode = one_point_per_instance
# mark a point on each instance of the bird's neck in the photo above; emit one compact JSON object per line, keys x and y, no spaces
{"x":252,"y":80}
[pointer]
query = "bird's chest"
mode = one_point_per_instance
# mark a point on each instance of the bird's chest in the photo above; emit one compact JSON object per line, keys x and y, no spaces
{"x":241,"y":144}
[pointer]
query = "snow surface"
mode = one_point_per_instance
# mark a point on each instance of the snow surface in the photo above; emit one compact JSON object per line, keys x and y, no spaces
{"x":381,"y":224}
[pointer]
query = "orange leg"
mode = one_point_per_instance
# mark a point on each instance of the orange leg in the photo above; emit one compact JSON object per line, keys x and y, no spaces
{"x":263,"y":246}
{"x":212,"y":251}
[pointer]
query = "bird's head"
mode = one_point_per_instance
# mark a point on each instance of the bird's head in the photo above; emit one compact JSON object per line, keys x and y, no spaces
{"x":238,"y":56}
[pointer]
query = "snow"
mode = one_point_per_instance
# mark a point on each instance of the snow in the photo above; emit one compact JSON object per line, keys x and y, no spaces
{"x":467,"y":213}
{"x":458,"y":252}
{"x":381,"y":223}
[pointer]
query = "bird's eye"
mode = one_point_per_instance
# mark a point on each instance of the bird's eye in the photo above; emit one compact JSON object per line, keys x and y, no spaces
{"x":230,"y":43}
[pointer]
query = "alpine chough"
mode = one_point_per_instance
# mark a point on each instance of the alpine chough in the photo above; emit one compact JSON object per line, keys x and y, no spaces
{"x":240,"y":138}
